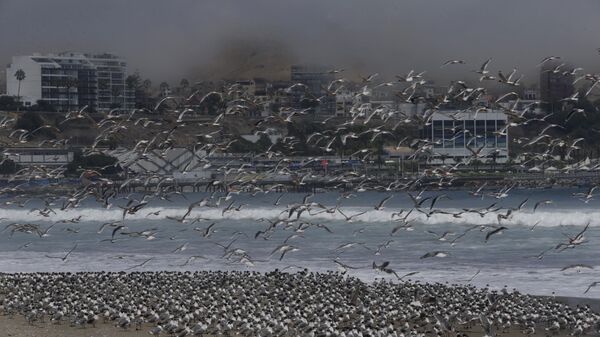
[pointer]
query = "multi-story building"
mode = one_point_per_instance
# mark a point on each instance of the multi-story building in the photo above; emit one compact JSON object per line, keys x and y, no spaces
{"x":430,"y":90}
{"x":556,"y":83}
{"x":316,"y":79}
{"x":111,"y":73}
{"x":459,"y":135}
{"x":531,"y":94}
{"x":69,"y":81}
{"x":345,"y":100}
{"x":245,"y":88}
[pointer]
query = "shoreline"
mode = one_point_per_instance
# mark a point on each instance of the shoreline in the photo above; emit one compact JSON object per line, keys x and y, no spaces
{"x":593,"y":303}
{"x":16,"y":323}
{"x":17,"y":326}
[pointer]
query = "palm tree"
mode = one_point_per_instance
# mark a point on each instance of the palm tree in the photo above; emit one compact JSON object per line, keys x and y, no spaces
{"x":164,"y":87}
{"x":117,"y":92}
{"x":20,"y":76}
{"x":133,"y":84}
{"x":145,"y":92}
{"x":184,"y":85}
{"x":147,"y":84}
{"x":494,"y":157}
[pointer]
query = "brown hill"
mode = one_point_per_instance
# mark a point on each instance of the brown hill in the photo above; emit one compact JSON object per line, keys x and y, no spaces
{"x":246,"y":59}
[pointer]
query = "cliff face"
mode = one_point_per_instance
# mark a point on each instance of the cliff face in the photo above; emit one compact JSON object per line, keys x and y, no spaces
{"x":246,"y":59}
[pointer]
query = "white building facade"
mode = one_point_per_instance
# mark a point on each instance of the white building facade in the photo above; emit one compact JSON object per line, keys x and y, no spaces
{"x":457,"y":136}
{"x":71,"y":81}
{"x":39,"y":156}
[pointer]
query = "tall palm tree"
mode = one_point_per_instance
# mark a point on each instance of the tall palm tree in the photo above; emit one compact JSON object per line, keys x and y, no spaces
{"x":117,"y":92}
{"x":147,"y":84}
{"x":184,"y":85}
{"x":132,"y":83}
{"x":143,"y":101}
{"x":20,"y":76}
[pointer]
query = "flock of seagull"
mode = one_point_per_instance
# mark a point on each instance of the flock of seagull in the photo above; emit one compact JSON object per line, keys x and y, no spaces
{"x":214,"y":303}
{"x":281,"y":303}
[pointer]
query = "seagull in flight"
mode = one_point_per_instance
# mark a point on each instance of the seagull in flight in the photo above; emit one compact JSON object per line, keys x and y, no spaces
{"x":548,"y":59}
{"x":593,"y":284}
{"x":63,"y":258}
{"x":450,"y":62}
{"x":284,"y":249}
{"x":435,"y":254}
{"x":381,"y":204}
{"x":483,"y":69}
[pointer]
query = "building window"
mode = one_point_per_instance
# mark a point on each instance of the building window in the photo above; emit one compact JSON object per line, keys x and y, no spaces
{"x":501,"y":139}
{"x":459,"y":141}
{"x":469,"y":131}
{"x":438,"y":134}
{"x":490,"y":138}
{"x":479,"y":133}
{"x":427,"y":132}
{"x":448,"y":134}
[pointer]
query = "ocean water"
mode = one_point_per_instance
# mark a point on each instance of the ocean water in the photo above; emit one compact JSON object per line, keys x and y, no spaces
{"x":507,"y":259}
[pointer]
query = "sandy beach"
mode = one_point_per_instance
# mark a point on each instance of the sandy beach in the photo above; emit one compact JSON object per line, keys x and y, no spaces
{"x":262,"y":294}
{"x":18,"y":327}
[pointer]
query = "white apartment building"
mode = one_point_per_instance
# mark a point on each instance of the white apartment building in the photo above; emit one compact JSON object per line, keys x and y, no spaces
{"x":71,"y":81}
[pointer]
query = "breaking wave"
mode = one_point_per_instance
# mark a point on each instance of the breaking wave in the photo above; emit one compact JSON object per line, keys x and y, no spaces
{"x":544,"y":218}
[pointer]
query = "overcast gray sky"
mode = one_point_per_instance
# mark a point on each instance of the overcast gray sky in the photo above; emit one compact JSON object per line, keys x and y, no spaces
{"x":168,"y":38}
